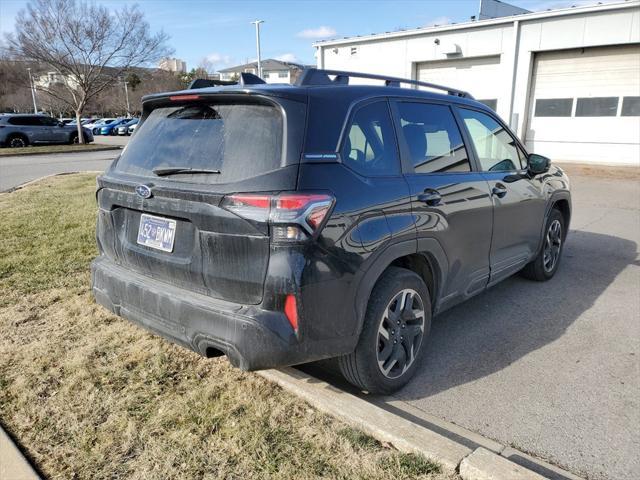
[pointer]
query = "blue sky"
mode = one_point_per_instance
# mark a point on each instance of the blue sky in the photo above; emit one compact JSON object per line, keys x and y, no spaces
{"x":220,"y":30}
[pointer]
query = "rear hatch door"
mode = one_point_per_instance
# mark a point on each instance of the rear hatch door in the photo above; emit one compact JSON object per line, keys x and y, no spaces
{"x":160,"y":203}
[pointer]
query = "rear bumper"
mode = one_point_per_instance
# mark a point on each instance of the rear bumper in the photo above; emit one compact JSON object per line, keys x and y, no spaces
{"x":252,"y":338}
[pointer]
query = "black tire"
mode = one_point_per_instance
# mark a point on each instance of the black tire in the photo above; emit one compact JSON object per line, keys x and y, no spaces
{"x":545,"y":265}
{"x":73,"y":138}
{"x":362,"y":367}
{"x":17,"y":141}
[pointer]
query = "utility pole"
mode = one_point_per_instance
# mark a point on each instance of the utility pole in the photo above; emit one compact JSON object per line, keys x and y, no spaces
{"x":33,"y":91}
{"x":257,"y":24}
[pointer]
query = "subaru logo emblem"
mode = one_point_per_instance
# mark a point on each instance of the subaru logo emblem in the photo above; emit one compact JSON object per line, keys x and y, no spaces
{"x":143,"y":191}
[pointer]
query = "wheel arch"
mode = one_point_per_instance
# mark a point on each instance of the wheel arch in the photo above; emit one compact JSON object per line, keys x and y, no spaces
{"x":564,"y":206}
{"x":11,"y":135}
{"x":425,"y":257}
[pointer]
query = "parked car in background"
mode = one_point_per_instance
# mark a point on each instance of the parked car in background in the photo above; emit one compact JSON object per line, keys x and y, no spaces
{"x":132,"y":129}
{"x":21,"y":130}
{"x":110,"y":128}
{"x":123,"y":129}
{"x":98,"y":124}
{"x":279,"y":225}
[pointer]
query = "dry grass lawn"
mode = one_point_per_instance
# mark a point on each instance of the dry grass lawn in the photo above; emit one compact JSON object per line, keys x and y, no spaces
{"x":89,"y":395}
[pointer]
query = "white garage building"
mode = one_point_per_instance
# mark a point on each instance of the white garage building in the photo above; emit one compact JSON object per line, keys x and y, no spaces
{"x":568,"y":81}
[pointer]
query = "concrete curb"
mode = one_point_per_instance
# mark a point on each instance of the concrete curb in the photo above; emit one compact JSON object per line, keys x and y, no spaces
{"x":36,"y":180}
{"x":474,"y":461}
{"x":485,"y":465}
{"x":13,"y":464}
{"x":101,"y":148}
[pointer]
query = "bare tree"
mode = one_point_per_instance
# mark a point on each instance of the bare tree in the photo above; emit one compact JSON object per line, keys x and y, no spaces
{"x":88,"y":46}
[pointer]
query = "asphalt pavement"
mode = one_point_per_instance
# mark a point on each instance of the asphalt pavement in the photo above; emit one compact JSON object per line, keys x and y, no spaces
{"x":16,"y":170}
{"x":551,"y":369}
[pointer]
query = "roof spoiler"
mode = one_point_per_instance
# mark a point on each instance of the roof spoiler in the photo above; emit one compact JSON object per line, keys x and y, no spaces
{"x":245,"y":79}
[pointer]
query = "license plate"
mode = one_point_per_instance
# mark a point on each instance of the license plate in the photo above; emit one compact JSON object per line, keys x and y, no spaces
{"x":157,"y":232}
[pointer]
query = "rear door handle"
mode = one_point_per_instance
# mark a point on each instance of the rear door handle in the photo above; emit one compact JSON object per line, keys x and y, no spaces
{"x":499,"y":190}
{"x":430,"y":197}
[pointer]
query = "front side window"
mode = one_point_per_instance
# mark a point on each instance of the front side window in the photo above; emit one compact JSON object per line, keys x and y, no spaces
{"x":370,"y":147}
{"x":47,"y":121}
{"x":496,"y":149}
{"x":433,"y":138}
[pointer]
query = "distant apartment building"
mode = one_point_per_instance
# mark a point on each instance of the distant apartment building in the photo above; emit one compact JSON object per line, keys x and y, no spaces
{"x":273,"y":71}
{"x":48,"y":80}
{"x":173,"y":65}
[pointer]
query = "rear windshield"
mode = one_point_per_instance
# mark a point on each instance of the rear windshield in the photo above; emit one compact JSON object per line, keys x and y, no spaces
{"x":238,"y":140}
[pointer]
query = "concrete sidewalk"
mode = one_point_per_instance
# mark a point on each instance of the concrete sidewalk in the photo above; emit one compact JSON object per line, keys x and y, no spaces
{"x":13,"y":464}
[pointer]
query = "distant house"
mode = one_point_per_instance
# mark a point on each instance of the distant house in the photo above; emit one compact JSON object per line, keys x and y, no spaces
{"x":273,"y":71}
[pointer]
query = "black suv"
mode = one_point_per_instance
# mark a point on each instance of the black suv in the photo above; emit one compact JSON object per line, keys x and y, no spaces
{"x":281,"y":224}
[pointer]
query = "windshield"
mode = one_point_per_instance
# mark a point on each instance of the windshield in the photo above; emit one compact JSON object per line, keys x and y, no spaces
{"x":239,"y":140}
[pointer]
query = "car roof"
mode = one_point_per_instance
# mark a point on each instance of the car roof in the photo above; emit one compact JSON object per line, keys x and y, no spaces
{"x":334,"y":93}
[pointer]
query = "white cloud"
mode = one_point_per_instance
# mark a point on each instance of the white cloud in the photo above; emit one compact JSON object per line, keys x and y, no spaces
{"x":219,"y":59}
{"x":541,"y":5}
{"x":320,"y":32}
{"x":438,"y":21}
{"x":287,"y":57}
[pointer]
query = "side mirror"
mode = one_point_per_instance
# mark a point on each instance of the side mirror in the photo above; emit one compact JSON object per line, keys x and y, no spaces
{"x":538,"y":164}
{"x":61,"y":124}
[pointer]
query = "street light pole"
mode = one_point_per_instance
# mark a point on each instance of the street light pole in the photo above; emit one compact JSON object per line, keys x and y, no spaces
{"x":257,"y":24}
{"x":126,"y":94}
{"x":33,"y":91}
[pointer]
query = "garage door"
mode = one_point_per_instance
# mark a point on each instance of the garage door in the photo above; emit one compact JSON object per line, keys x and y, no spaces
{"x":475,"y":75}
{"x":585,"y":105}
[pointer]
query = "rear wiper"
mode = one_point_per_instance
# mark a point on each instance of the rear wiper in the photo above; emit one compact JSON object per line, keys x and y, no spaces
{"x":162,"y":171}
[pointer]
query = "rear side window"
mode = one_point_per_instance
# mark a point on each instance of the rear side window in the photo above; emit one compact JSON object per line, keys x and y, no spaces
{"x":24,"y":121}
{"x":370,"y":146}
{"x":433,"y":138}
{"x":240,"y":140}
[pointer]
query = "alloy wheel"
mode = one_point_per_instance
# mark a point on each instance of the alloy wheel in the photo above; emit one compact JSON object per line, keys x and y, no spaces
{"x":552,"y":246}
{"x":400,"y":333}
{"x":17,"y":142}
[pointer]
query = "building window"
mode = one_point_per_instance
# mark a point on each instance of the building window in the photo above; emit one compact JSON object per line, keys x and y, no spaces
{"x":554,"y":107}
{"x":597,"y":107}
{"x":492,"y":103}
{"x":631,"y":106}
{"x":283,"y":74}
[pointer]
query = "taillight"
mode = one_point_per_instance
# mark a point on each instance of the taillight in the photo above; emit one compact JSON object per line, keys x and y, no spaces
{"x":182,"y":98}
{"x":293,"y":216}
{"x":291,"y":311}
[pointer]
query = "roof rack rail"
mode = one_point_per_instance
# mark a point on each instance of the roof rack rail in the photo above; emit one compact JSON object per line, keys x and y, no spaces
{"x":316,"y":76}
